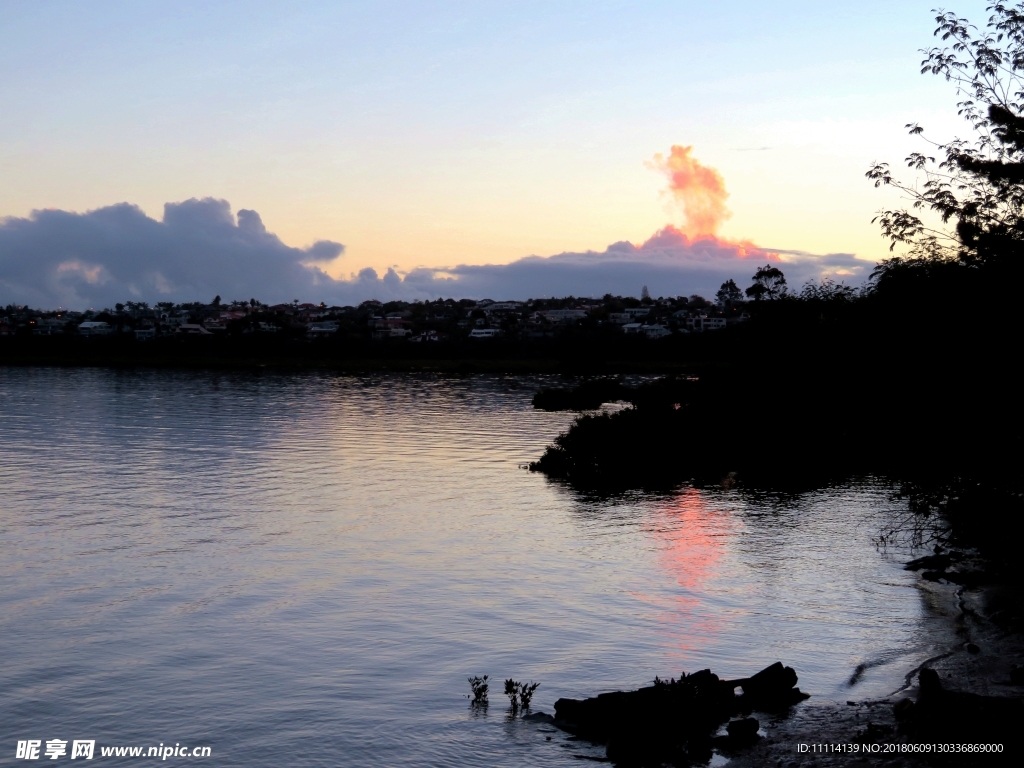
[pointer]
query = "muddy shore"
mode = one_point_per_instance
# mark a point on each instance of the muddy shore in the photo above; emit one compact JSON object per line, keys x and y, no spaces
{"x":986,"y":643}
{"x":989,"y":643}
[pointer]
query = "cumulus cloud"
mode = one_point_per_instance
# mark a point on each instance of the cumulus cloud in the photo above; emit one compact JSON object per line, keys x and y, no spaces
{"x":119,"y":253}
{"x":200,"y":249}
{"x":696,"y":188}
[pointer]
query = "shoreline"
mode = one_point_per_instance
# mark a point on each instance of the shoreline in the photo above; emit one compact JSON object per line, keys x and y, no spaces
{"x":976,"y":621}
{"x":457,"y":366}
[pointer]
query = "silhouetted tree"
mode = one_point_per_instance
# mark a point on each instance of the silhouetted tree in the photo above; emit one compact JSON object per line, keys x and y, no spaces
{"x":978,"y":187}
{"x":729,"y":293}
{"x":769,"y":283}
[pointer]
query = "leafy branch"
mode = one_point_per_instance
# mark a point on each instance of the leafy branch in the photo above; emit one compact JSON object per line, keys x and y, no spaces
{"x":977,"y":187}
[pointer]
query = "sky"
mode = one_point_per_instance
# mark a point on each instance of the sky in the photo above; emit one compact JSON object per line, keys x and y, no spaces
{"x":413,"y":149}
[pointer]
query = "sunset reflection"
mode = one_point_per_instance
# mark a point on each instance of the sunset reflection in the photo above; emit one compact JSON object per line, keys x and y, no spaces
{"x":693,"y":538}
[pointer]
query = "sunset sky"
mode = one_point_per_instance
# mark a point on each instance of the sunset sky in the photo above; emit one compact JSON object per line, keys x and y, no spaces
{"x":423,"y":134}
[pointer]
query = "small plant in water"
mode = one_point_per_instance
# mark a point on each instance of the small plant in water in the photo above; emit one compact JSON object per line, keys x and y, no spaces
{"x":479,"y":686}
{"x":520,"y":694}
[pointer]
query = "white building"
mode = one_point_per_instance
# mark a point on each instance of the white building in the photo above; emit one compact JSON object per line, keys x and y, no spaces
{"x":94,"y":328}
{"x":563,"y":315}
{"x":703,"y":323}
{"x":656,"y":331}
{"x":321,"y":329}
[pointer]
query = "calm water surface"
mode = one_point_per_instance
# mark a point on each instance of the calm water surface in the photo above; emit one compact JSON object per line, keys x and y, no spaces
{"x":304,"y":570}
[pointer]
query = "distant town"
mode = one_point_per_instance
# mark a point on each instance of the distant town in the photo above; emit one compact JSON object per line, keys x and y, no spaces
{"x":392,"y":322}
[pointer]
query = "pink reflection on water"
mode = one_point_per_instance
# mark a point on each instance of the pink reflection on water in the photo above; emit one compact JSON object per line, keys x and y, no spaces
{"x":693,"y":539}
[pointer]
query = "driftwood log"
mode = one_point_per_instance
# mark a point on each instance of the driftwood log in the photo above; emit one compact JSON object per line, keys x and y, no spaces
{"x":675,"y":721}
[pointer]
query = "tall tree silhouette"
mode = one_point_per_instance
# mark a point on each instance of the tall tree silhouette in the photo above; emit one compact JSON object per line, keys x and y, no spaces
{"x":729,"y":293}
{"x":769,"y":283}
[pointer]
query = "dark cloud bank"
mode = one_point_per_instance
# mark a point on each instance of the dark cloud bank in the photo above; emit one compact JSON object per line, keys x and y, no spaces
{"x":199,"y":249}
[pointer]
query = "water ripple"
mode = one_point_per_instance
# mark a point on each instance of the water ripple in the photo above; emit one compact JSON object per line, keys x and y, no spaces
{"x":305,"y":569}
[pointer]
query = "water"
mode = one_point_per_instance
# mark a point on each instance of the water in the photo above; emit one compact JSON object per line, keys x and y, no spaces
{"x":304,"y":570}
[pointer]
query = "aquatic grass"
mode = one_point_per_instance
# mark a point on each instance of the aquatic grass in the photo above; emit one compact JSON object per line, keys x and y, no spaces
{"x":479,"y":686}
{"x":520,"y":694}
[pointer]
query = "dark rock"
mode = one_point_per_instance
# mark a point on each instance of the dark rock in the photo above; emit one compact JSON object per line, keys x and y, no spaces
{"x":1017,"y":675}
{"x":945,"y":716}
{"x":930,"y":684}
{"x":930,"y":562}
{"x":876,"y":731}
{"x":742,"y":732}
{"x":538,"y":717}
{"x":972,"y":648}
{"x":902,"y":709}
{"x":932,"y":575}
{"x":969,"y":579}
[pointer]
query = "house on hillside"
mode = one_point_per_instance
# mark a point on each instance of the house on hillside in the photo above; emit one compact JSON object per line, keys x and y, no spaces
{"x":656,"y":331}
{"x":94,"y":328}
{"x":705,"y":323}
{"x":562,"y":315}
{"x":322,"y":329}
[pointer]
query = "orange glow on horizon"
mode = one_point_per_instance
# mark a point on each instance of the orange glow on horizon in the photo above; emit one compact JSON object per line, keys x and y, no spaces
{"x":671,"y":236}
